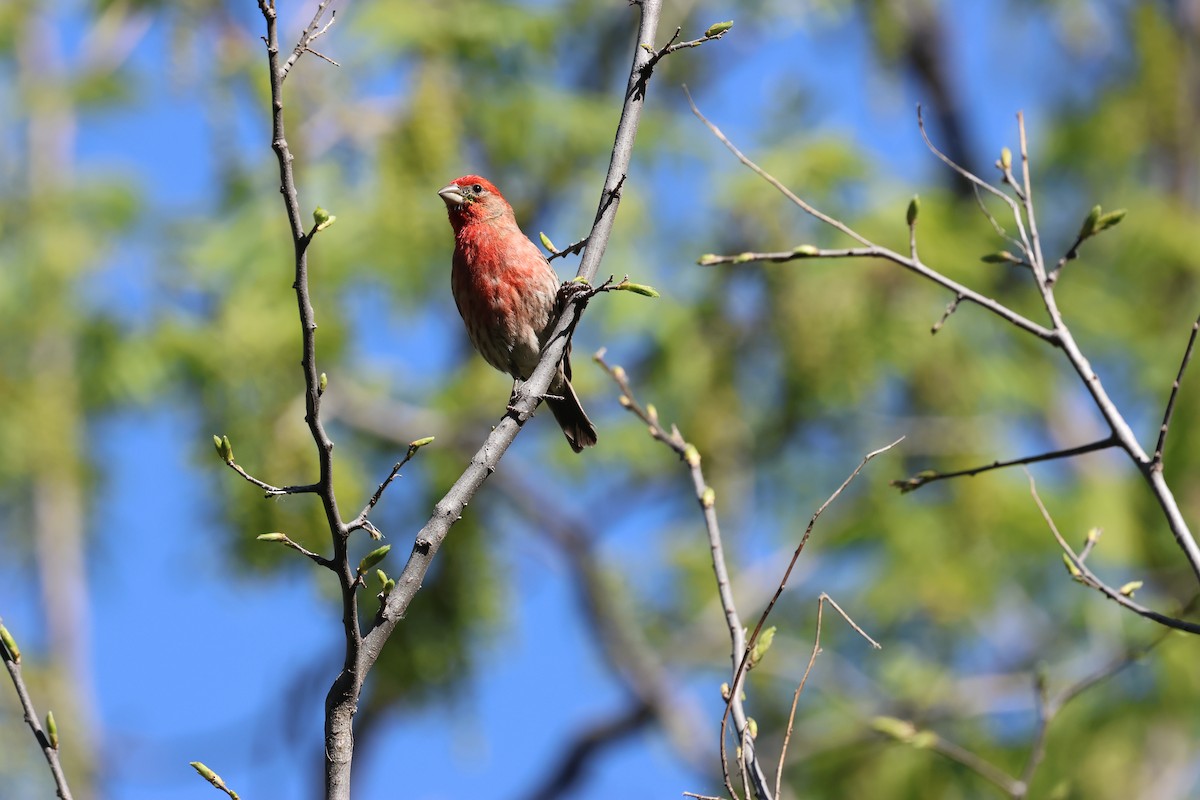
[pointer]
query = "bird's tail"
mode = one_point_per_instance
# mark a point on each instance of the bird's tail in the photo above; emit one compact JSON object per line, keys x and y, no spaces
{"x":569,"y":414}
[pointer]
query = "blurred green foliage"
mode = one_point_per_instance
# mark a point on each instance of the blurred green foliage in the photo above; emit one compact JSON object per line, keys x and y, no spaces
{"x":782,"y":375}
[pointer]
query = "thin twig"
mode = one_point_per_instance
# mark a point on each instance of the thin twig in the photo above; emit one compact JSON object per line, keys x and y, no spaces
{"x":930,"y":476}
{"x":569,"y":250}
{"x":1088,"y":578}
{"x":744,"y":660}
{"x":951,"y":307}
{"x":1035,"y":252}
{"x":914,"y":265}
{"x":672,"y":46}
{"x":310,"y":35}
{"x":273,"y":491}
{"x":787,"y":736}
{"x":978,"y":182}
{"x":707,"y":499}
{"x":12,"y":660}
{"x":1170,"y":411}
{"x":361,"y":520}
{"x":287,"y":541}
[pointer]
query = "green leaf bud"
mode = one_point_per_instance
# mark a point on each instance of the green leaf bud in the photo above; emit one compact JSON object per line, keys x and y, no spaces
{"x":10,"y":644}
{"x":1129,"y":588}
{"x":717,"y":29}
{"x":372,"y":558}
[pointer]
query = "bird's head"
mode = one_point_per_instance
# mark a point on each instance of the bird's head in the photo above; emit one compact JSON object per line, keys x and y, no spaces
{"x":471,"y":199}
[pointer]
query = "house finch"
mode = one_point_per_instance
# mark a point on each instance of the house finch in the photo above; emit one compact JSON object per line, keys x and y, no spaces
{"x":506,"y":290}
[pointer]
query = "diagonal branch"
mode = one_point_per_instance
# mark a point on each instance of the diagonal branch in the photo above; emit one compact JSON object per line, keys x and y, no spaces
{"x":876,"y":251}
{"x":1081,"y":573}
{"x":48,"y":744}
{"x":310,"y":35}
{"x":1166,"y":423}
{"x":930,"y":475}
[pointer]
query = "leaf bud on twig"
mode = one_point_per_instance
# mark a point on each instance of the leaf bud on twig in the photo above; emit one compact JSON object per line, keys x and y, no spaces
{"x":637,"y":288}
{"x":372,"y":558}
{"x":1108,"y":220}
{"x":914,"y":210}
{"x":709,"y":497}
{"x":52,"y":729}
{"x":1129,"y":588}
{"x":718,"y":28}
{"x":1005,"y":159}
{"x":10,"y":644}
{"x":806,"y":250}
{"x":1089,"y":223}
{"x":322,"y":382}
{"x":761,"y":646}
{"x":272,"y":537}
{"x":323,"y":218}
{"x":546,"y":243}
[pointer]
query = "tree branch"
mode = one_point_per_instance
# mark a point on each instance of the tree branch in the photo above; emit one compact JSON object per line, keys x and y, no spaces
{"x":1081,"y":572}
{"x":11,"y":655}
{"x":737,"y":633}
{"x":1058,"y":334}
{"x":870,"y":249}
{"x":1170,"y":410}
{"x":931,"y":475}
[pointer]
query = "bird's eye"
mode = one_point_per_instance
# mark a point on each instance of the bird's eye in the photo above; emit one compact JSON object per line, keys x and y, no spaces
{"x":478,"y":188}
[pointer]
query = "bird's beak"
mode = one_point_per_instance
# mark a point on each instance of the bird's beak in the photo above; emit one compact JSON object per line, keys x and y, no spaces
{"x":451,"y":195}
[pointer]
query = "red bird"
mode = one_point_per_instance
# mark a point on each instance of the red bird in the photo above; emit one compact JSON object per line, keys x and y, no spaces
{"x":506,"y":290}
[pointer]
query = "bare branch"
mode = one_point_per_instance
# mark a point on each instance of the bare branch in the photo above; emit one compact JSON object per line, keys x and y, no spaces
{"x":1166,"y":423}
{"x":978,"y":182}
{"x":804,"y":679}
{"x":951,"y":307}
{"x":930,"y":476}
{"x":882,"y":252}
{"x":743,"y":662}
{"x":11,"y":655}
{"x":361,"y":520}
{"x":310,"y":35}
{"x":1088,"y":578}
{"x":1058,"y":334}
{"x":711,"y":35}
{"x":1035,"y":251}
{"x":737,"y":633}
{"x":268,"y":489}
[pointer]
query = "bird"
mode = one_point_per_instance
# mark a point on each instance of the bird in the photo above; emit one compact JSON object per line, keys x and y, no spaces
{"x":506,"y":292}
